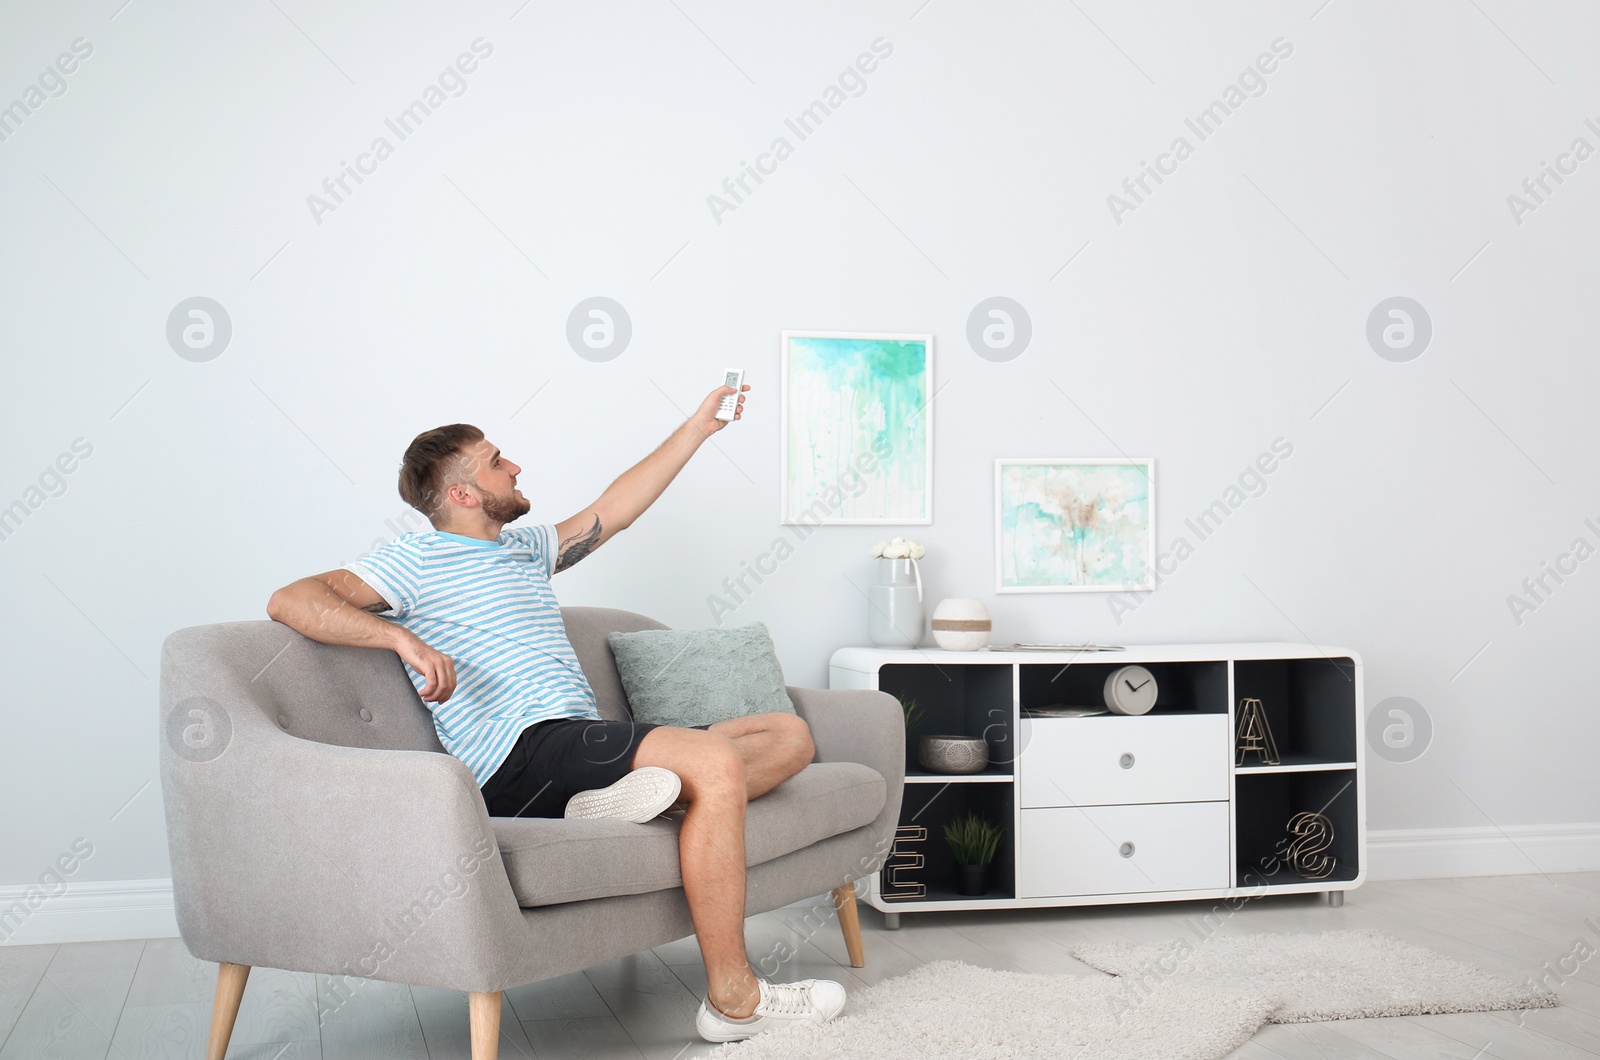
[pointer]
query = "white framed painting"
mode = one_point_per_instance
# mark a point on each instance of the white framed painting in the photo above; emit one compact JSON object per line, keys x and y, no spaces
{"x":1074,"y":525}
{"x":857,"y":428}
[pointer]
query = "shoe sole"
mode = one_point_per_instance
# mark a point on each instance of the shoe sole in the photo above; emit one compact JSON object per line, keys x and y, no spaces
{"x":641,"y":796}
{"x":724,"y":1039}
{"x":720,"y":1037}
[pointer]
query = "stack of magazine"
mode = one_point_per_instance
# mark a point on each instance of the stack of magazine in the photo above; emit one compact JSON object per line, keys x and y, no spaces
{"x":1055,"y":647}
{"x":1062,"y":710}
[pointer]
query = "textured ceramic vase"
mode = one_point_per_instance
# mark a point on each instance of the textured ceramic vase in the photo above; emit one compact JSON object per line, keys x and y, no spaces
{"x":894,"y":605}
{"x":961,"y":624}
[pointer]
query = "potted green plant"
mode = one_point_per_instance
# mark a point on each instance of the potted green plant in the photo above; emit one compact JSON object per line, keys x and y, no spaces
{"x":973,"y":840}
{"x":913,"y":713}
{"x":913,"y":716}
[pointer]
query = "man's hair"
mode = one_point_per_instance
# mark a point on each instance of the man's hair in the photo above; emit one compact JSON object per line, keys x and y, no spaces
{"x":432,"y":464}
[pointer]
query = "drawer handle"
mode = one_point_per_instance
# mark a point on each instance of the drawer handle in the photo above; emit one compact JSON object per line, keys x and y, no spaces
{"x":1126,"y":761}
{"x":1126,"y":850}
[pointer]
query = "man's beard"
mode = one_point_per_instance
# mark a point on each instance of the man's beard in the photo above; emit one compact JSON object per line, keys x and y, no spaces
{"x":506,"y":509}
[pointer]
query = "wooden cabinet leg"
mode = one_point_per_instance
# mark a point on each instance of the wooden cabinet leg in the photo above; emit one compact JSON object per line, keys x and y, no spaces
{"x":844,"y":900}
{"x":225,"y":1008}
{"x":483,"y":1016}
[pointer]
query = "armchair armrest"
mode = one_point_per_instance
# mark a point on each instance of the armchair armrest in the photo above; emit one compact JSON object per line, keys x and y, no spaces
{"x":288,"y":853}
{"x":859,"y":725}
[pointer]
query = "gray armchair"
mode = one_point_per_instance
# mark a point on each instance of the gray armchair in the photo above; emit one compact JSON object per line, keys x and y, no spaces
{"x":315,"y":824}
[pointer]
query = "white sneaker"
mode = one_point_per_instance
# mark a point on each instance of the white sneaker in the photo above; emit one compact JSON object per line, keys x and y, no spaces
{"x":808,"y":1001}
{"x":638,"y":797}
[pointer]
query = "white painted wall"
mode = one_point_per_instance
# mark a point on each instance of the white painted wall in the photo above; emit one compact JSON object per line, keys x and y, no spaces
{"x":1225,"y":311}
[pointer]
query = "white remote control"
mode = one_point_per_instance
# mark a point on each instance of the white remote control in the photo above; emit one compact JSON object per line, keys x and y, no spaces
{"x":733,"y":377}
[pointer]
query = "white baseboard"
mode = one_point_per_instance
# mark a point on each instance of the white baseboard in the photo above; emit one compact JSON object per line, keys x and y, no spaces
{"x":88,"y":912}
{"x":142,"y":909}
{"x":1430,"y":853}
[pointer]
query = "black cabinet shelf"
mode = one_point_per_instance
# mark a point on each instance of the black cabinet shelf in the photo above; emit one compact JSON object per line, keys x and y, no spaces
{"x":1292,"y":763}
{"x":995,"y":774}
{"x":1265,"y":801}
{"x":954,"y":700}
{"x":1253,"y":877}
{"x":931,"y":806}
{"x":943,"y":889}
{"x":1309,"y":703}
{"x":1184,"y":687}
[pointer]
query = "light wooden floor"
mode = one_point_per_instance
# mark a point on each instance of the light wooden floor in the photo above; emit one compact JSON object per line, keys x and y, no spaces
{"x":150,"y":999}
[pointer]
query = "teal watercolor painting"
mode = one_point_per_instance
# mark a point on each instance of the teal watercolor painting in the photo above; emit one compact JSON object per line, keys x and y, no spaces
{"x":857,"y":428}
{"x":1074,"y":525}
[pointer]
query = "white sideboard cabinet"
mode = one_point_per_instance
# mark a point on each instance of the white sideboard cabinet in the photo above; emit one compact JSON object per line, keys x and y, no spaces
{"x":1109,"y":808}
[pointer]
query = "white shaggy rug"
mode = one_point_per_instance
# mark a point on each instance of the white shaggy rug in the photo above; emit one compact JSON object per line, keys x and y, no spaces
{"x":949,"y":1009}
{"x":1333,"y":975}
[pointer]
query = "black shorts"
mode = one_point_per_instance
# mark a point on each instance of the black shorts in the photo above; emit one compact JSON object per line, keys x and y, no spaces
{"x":554,"y":760}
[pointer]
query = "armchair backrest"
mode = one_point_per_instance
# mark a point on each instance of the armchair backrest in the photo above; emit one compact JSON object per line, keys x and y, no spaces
{"x":355,"y":697}
{"x":587,"y":629}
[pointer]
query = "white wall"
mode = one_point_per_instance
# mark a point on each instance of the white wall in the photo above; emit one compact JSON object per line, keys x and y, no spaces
{"x":1224,"y":312}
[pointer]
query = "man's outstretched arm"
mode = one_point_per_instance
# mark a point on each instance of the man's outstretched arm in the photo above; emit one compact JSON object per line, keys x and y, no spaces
{"x":638,"y":487}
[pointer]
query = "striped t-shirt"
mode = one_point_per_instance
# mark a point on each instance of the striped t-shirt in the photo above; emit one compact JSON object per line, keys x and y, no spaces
{"x":488,"y":606}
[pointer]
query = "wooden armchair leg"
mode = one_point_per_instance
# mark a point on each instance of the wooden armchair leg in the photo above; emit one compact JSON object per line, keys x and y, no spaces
{"x":844,"y":900}
{"x":483,"y":1016}
{"x":225,"y":1008}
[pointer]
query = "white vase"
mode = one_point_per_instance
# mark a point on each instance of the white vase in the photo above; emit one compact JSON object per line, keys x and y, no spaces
{"x":961,"y":624}
{"x":894,"y":605}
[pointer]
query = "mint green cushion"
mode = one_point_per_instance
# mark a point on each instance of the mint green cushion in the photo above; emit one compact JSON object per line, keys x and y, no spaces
{"x":699,"y":676}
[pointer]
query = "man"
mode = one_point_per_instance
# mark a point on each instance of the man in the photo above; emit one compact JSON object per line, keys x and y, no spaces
{"x":471,"y":613}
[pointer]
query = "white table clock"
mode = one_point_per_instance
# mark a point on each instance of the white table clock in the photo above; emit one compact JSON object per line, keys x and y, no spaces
{"x":1130,"y":690}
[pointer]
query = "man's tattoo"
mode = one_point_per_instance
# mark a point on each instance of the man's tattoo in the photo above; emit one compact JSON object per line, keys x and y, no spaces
{"x":578,"y":546}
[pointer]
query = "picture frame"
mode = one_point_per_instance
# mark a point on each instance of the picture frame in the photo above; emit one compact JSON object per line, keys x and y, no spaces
{"x":856,"y":428}
{"x":1074,"y":524}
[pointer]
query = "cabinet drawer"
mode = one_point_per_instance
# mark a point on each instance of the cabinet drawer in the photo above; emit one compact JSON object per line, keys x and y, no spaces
{"x":1122,"y":849}
{"x":1109,"y":760}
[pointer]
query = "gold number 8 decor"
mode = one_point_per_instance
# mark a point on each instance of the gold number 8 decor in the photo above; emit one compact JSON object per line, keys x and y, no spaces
{"x":1310,"y":834}
{"x":1255,"y":734}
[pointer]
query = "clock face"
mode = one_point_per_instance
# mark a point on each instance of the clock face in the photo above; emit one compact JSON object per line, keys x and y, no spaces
{"x":1130,"y":690}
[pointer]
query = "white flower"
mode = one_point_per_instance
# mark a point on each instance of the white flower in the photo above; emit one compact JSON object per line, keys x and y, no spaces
{"x":898,"y":548}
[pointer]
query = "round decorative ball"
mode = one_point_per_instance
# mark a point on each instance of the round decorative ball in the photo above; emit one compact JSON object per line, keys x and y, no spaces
{"x":953,"y":754}
{"x":961,"y":624}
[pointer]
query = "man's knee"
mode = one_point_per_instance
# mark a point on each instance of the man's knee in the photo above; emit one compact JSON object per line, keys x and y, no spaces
{"x":716,"y":768}
{"x":789,"y":746}
{"x":794,"y":740}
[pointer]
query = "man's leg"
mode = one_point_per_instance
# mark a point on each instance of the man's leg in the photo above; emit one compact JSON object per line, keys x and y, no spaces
{"x":774,"y":747}
{"x":711,"y":854}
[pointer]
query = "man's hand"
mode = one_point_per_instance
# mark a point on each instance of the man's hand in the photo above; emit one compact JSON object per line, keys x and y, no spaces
{"x":438,"y":672}
{"x":705,"y":417}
